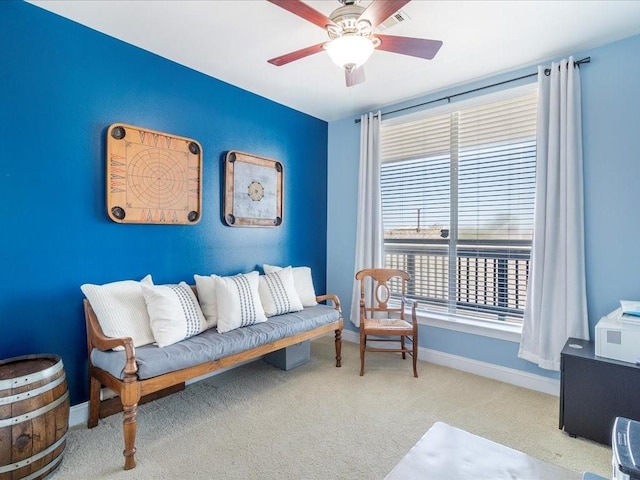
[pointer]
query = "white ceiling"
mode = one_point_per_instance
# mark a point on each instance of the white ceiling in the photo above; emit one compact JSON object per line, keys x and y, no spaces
{"x":232,"y":39}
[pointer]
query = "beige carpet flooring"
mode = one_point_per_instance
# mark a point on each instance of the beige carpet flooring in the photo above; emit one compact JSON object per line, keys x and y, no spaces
{"x":321,"y":422}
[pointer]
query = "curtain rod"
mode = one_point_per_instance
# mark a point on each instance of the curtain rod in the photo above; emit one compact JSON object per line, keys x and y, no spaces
{"x":448,"y":98}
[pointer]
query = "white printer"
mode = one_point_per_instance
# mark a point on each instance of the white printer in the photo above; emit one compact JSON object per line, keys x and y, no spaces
{"x":618,"y":334}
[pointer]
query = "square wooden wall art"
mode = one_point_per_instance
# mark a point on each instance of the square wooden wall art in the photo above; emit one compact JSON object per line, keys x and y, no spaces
{"x":253,"y":191}
{"x":153,"y":177}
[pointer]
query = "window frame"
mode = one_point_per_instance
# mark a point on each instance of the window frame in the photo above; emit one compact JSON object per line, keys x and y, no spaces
{"x":456,"y":321}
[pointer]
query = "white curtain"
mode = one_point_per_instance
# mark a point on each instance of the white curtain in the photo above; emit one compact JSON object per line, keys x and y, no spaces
{"x":556,"y":299}
{"x":369,"y":230}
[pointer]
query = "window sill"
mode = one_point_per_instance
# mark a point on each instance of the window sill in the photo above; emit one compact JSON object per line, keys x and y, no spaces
{"x":508,"y":332}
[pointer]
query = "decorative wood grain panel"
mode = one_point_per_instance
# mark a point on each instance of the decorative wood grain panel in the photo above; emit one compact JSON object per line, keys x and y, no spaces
{"x":153,"y":177}
{"x":253,"y":191}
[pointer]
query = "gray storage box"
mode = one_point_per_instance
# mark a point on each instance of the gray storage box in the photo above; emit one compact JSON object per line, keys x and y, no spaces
{"x":290,"y":357}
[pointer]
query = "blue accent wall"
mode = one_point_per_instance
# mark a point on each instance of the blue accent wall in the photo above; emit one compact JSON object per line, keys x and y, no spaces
{"x":611,"y":111}
{"x":62,"y":85}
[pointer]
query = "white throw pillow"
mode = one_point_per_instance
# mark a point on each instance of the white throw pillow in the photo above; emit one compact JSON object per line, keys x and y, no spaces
{"x":238,"y":301}
{"x":302,"y":281}
{"x":207,"y":297}
{"x":121,"y":309}
{"x":174,"y":312}
{"x":278,"y":294}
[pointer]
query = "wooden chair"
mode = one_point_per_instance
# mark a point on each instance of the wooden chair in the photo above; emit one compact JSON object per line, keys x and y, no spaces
{"x":380,"y":320}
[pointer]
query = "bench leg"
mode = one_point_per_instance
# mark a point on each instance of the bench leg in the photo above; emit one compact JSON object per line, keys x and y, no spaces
{"x":338,"y":348}
{"x":130,"y":427}
{"x":94,"y":402}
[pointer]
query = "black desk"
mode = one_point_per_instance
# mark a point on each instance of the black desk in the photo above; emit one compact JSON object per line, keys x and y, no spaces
{"x":594,"y":391}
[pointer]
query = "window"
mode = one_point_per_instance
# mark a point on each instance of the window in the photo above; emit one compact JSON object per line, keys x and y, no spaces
{"x":458,"y":192}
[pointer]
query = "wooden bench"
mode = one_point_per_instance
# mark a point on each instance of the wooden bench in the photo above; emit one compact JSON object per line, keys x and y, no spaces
{"x":133,"y":391}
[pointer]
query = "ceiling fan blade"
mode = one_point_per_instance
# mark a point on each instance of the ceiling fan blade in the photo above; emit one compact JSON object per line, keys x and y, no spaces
{"x":379,"y":10}
{"x":304,"y":11}
{"x":415,"y":47}
{"x":354,"y":77}
{"x":297,"y":55}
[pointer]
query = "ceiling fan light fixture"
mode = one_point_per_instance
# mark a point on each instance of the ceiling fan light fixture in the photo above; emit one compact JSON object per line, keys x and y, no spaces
{"x":350,"y":51}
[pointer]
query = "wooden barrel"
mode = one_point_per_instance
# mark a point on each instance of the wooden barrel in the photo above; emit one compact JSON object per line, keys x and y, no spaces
{"x":34,"y":416}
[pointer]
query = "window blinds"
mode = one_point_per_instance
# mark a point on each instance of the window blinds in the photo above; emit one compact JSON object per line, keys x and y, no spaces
{"x":416,"y":139}
{"x":458,"y":192}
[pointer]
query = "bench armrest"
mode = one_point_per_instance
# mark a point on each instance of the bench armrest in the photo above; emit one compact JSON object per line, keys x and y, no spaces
{"x":333,"y":298}
{"x":97,"y":339}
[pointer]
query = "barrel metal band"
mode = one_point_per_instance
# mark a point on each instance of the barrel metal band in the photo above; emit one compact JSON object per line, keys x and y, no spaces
{"x":31,"y":378}
{"x":34,"y":413}
{"x":34,"y":458}
{"x":50,"y":467}
{"x":32,"y":393}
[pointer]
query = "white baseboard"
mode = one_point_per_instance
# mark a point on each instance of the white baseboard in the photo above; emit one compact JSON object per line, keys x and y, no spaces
{"x":483,"y":369}
{"x":79,"y":414}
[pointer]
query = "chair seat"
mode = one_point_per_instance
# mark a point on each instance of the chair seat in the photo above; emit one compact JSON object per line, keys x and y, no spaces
{"x":387,"y":326}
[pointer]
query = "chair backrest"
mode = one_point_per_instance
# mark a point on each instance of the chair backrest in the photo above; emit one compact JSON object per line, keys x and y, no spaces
{"x":375,"y":292}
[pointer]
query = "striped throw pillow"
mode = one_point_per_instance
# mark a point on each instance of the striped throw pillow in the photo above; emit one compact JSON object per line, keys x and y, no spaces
{"x":121,"y":309}
{"x":174,"y":312}
{"x":303,"y":282}
{"x":238,"y":301}
{"x":278,"y":293}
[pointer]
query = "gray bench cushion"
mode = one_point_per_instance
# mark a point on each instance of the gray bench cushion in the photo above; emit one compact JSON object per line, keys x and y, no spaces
{"x":211,"y":345}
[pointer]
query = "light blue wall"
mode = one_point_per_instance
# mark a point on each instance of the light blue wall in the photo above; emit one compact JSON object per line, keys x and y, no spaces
{"x":611,"y":132}
{"x":611,"y":129}
{"x":61,"y":85}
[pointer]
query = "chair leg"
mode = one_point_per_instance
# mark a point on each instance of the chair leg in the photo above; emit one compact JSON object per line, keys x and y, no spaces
{"x":363,"y":345}
{"x":415,"y":356}
{"x":404,"y":354}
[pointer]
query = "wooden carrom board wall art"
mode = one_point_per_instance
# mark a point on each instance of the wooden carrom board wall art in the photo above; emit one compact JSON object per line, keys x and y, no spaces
{"x":153,"y":177}
{"x":253,"y":191}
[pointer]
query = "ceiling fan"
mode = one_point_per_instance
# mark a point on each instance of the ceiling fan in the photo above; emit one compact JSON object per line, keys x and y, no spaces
{"x":352,"y":41}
